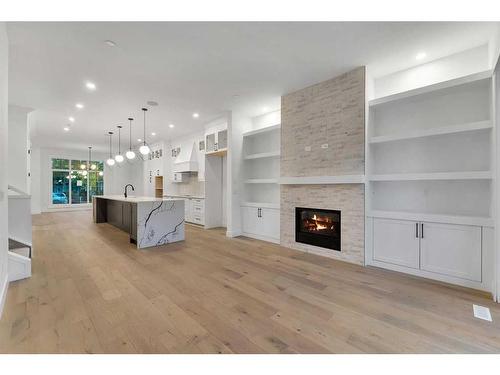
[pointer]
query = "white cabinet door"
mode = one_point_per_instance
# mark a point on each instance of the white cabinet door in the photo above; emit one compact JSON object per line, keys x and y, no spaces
{"x":269,"y":223}
{"x":250,"y":220}
{"x":453,"y":250}
{"x":396,"y":242}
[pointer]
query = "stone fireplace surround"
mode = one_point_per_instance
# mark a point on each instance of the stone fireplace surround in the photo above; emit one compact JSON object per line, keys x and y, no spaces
{"x":333,"y":113}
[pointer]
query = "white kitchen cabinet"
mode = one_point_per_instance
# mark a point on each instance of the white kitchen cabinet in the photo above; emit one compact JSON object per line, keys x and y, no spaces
{"x":250,"y":216}
{"x":261,"y":223}
{"x":396,"y":241}
{"x":453,"y":250}
{"x":216,"y":140}
{"x":450,"y":250}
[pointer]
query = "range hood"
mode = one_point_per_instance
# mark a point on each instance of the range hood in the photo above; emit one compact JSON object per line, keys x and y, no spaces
{"x":186,"y":161}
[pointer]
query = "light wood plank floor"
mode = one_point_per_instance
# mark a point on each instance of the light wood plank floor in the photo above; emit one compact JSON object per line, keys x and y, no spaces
{"x":92,"y":292}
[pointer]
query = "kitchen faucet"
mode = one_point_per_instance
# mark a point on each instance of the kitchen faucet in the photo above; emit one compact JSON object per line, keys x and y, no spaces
{"x":126,"y":186}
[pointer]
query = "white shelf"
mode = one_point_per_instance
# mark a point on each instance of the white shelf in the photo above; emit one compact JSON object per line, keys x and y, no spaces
{"x":472,"y":126}
{"x":261,"y":155}
{"x":261,"y":205}
{"x":416,"y":216}
{"x":323,"y":180}
{"x":261,"y":181}
{"x":480,"y":175}
{"x":262,"y":131}
{"x":431,"y":88}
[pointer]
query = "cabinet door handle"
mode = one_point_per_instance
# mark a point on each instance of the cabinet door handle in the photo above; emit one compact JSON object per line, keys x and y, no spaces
{"x":416,"y":230}
{"x":422,"y":231}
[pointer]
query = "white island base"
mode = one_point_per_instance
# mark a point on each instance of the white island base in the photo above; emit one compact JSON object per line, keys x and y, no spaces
{"x":149,"y":221}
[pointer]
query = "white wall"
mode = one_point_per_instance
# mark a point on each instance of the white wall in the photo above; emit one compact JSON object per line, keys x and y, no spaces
{"x":115,"y":178}
{"x":238,"y":124}
{"x":464,"y":63}
{"x":18,"y":147}
{"x":3,"y":163}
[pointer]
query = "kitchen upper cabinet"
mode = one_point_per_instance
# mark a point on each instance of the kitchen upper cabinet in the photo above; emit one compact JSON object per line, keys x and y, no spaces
{"x":216,"y":140}
{"x":453,"y":250}
{"x":396,"y":242}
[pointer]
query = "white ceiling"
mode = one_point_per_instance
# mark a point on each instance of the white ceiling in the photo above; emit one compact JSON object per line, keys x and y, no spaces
{"x":197,"y":67}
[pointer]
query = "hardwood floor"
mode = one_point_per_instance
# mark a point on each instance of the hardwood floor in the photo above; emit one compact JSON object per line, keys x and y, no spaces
{"x":93,"y":292}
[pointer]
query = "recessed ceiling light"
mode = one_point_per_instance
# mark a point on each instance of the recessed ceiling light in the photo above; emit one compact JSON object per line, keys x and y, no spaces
{"x":152,"y":103}
{"x":139,"y":140}
{"x":71,"y":119}
{"x":153,"y":134}
{"x":171,"y":126}
{"x":421,"y":55}
{"x":90,"y":85}
{"x":79,"y":105}
{"x":66,"y":128}
{"x":265,"y":109}
{"x":110,"y":43}
{"x":196,"y":115}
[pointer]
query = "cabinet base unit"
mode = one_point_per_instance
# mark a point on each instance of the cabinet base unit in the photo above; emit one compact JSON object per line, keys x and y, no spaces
{"x":452,"y":253}
{"x":261,"y":223}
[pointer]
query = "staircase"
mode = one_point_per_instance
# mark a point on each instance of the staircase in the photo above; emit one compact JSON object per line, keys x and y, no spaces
{"x":20,"y":245}
{"x":19,"y":260}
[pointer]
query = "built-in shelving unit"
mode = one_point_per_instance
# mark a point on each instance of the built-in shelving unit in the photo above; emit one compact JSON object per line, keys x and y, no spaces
{"x":266,"y":130}
{"x":443,"y":130}
{"x":261,"y":157}
{"x":260,"y":206}
{"x":158,"y":186}
{"x":261,"y":181}
{"x":446,"y":87}
{"x":429,"y":170}
{"x":322,"y":180}
{"x":474,"y":175}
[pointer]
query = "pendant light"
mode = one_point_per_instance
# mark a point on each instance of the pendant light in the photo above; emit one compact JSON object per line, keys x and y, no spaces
{"x":130,"y":154}
{"x":119,"y":156}
{"x":91,"y":166}
{"x":110,"y":161}
{"x":88,"y":163}
{"x":144,"y":149}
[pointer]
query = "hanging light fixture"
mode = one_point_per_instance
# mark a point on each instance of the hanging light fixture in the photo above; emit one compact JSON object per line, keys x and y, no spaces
{"x":88,"y":163}
{"x":91,"y":166}
{"x":119,"y":156}
{"x":130,"y":154}
{"x":144,"y":149}
{"x":110,"y":161}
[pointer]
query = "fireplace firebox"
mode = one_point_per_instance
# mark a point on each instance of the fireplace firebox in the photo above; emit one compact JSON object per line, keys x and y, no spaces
{"x":318,"y":227}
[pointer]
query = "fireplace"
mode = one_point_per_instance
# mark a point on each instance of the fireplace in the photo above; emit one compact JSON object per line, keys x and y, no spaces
{"x":318,"y":227}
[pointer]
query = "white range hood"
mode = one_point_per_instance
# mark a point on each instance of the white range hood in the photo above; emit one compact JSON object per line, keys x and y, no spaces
{"x":186,"y":161}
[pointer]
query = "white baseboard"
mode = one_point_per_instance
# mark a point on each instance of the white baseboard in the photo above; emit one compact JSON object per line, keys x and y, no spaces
{"x":233,"y":233}
{"x":262,"y":238}
{"x":4,"y":285}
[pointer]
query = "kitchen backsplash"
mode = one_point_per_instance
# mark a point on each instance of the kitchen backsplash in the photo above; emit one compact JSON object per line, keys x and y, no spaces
{"x":191,"y":186}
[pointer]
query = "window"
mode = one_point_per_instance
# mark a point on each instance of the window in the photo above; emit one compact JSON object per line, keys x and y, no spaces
{"x":73,"y":183}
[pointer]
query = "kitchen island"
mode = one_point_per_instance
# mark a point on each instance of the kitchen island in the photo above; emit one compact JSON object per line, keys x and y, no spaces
{"x":149,"y":221}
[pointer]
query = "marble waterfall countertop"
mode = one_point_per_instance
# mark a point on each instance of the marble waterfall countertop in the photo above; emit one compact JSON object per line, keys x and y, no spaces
{"x":151,"y":222}
{"x":131,"y":199}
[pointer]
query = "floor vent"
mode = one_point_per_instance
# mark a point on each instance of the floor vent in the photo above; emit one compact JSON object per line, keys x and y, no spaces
{"x":482,"y":312}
